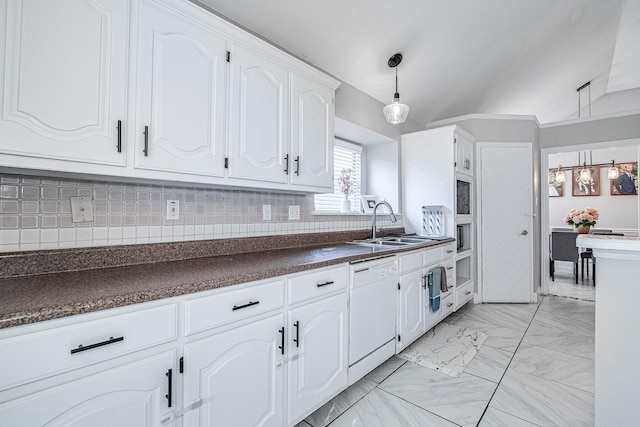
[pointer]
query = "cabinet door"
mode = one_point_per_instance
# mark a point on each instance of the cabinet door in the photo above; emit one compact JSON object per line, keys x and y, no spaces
{"x":411,"y":308}
{"x":259,"y":107}
{"x":431,"y":318}
{"x":63,"y":75}
{"x":312,"y":133}
{"x":464,"y":155}
{"x":238,"y":376}
{"x":318,"y":352}
{"x":181,"y":94}
{"x":133,"y":395}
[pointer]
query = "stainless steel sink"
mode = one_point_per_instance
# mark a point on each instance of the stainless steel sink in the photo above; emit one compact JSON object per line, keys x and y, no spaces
{"x":395,"y":241}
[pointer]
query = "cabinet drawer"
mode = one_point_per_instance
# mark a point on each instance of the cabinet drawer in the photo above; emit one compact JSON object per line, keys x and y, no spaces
{"x":449,"y":265}
{"x":317,"y":283}
{"x":409,"y":262}
{"x":432,"y":256}
{"x":70,"y":347}
{"x":219,"y":309}
{"x":447,"y":305}
{"x":448,"y":251}
{"x":464,"y":294}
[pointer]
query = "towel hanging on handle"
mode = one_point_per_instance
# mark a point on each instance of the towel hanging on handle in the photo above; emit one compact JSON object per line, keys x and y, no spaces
{"x":443,"y":279}
{"x":434,"y":288}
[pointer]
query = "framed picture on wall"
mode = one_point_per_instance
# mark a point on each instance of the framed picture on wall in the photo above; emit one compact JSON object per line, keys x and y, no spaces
{"x":368,"y":203}
{"x":586,"y":186}
{"x":556,"y":189}
{"x":627,"y":182}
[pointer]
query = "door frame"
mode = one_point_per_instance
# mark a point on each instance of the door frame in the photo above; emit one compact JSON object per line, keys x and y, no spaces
{"x":544,"y":202}
{"x":480,"y":145}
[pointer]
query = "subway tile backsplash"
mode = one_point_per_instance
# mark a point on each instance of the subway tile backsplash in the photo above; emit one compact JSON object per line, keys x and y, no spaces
{"x":35,"y":213}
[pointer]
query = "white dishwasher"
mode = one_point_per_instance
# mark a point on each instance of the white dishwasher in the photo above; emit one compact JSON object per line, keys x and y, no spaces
{"x":372,"y":315}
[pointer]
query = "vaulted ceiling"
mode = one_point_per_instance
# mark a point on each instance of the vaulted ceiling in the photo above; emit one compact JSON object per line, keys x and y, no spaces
{"x":460,"y":56}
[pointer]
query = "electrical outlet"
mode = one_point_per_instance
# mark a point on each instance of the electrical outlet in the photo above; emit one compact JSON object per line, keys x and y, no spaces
{"x":266,"y":212}
{"x":173,"y":210}
{"x":294,"y":212}
{"x":81,"y":209}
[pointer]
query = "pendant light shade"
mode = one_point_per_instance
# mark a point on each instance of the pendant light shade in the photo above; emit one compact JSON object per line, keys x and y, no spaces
{"x":396,"y":112}
{"x":613,"y":171}
{"x":585,"y":174}
{"x":560,"y":175}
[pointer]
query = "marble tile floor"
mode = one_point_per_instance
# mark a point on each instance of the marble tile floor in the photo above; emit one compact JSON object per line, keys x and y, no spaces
{"x":565,"y":285}
{"x":535,"y":369}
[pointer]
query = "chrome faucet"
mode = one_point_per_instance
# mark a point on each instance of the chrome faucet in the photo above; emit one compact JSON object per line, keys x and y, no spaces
{"x":375,"y":208}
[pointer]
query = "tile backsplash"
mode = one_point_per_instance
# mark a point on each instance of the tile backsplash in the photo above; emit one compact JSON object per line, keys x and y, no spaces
{"x":35,"y":213}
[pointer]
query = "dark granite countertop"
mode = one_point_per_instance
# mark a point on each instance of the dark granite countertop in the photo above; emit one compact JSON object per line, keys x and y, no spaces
{"x":38,"y":297}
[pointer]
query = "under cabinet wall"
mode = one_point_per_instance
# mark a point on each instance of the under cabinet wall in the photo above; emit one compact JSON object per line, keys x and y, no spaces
{"x":35,"y":213}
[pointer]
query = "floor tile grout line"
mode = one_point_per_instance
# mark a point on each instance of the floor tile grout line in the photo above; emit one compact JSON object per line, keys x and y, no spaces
{"x":510,"y":361}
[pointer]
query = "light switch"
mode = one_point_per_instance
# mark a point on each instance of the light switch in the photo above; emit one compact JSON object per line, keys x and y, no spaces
{"x":294,"y":212}
{"x":81,"y":209}
{"x":266,"y":212}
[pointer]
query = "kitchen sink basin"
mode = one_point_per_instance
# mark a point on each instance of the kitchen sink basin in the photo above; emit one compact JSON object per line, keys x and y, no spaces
{"x":394,"y":241}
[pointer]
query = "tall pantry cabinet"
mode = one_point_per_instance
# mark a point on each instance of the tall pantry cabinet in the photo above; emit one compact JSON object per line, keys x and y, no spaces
{"x":438,"y":170}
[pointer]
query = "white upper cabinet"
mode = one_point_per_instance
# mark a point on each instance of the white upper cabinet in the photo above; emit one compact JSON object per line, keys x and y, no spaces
{"x":180,"y":117}
{"x":464,"y":154}
{"x":63,"y":80}
{"x":259,"y":117}
{"x":312,"y":113}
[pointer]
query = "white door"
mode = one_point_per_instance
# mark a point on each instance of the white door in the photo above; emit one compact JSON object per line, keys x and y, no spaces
{"x":506,"y":231}
{"x":318,"y":354}
{"x":312,"y":134}
{"x":259,"y":107}
{"x":63,"y":77}
{"x":133,"y":395}
{"x":181,"y":98}
{"x":411,"y":307}
{"x":238,"y":375}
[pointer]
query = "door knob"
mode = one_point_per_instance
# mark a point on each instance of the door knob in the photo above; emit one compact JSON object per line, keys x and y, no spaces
{"x":524,"y":233}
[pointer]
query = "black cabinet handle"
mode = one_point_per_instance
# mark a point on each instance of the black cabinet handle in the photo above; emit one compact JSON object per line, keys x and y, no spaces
{"x":249,"y":304}
{"x":450,"y":304}
{"x":286,"y":164}
{"x":467,"y":293}
{"x":449,"y":268}
{"x":119,"y":136}
{"x":296,"y":339}
{"x":297,"y":165}
{"x":146,"y":141}
{"x":81,"y":347}
{"x":424,"y":281}
{"x":281,"y":346}
{"x":169,"y":375}
{"x":324,"y":284}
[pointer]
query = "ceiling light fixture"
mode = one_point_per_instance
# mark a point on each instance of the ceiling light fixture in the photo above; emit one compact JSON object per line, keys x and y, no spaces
{"x":396,"y":113}
{"x":613,"y":171}
{"x":560,"y":175}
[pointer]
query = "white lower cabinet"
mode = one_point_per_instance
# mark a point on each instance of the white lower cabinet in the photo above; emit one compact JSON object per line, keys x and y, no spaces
{"x":236,"y":378}
{"x":132,"y":395}
{"x":411,"y":305}
{"x":318,"y":349}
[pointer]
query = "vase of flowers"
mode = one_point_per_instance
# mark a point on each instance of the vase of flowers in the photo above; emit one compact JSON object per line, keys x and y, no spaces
{"x":582,"y":219}
{"x":346,"y":188}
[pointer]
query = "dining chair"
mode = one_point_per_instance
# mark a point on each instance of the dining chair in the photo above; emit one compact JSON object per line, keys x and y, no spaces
{"x":563,"y":248}
{"x":588,"y":253}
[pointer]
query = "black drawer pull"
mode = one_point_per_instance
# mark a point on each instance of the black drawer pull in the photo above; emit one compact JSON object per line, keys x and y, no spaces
{"x":119,"y":146}
{"x":81,"y":347}
{"x":145,"y":150}
{"x":324,"y":284}
{"x":449,"y":268}
{"x":281,"y":346}
{"x":450,"y":304}
{"x":467,"y":293}
{"x":169,"y":375}
{"x":297,"y":338}
{"x":249,"y":304}
{"x":297,"y":160}
{"x":449,"y":251}
{"x":286,"y":164}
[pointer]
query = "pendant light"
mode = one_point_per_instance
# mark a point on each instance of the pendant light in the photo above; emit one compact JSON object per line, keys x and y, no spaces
{"x":560,"y":175}
{"x":585,"y":174}
{"x":613,"y":171}
{"x":396,"y":113}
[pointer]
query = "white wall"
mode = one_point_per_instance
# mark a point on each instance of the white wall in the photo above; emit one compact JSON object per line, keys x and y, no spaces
{"x":616,"y":212}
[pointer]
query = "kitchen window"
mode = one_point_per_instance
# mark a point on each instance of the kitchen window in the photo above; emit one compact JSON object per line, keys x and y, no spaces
{"x":346,"y":155}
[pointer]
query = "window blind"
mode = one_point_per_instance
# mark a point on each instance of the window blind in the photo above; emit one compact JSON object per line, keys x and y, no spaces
{"x":346,"y":155}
